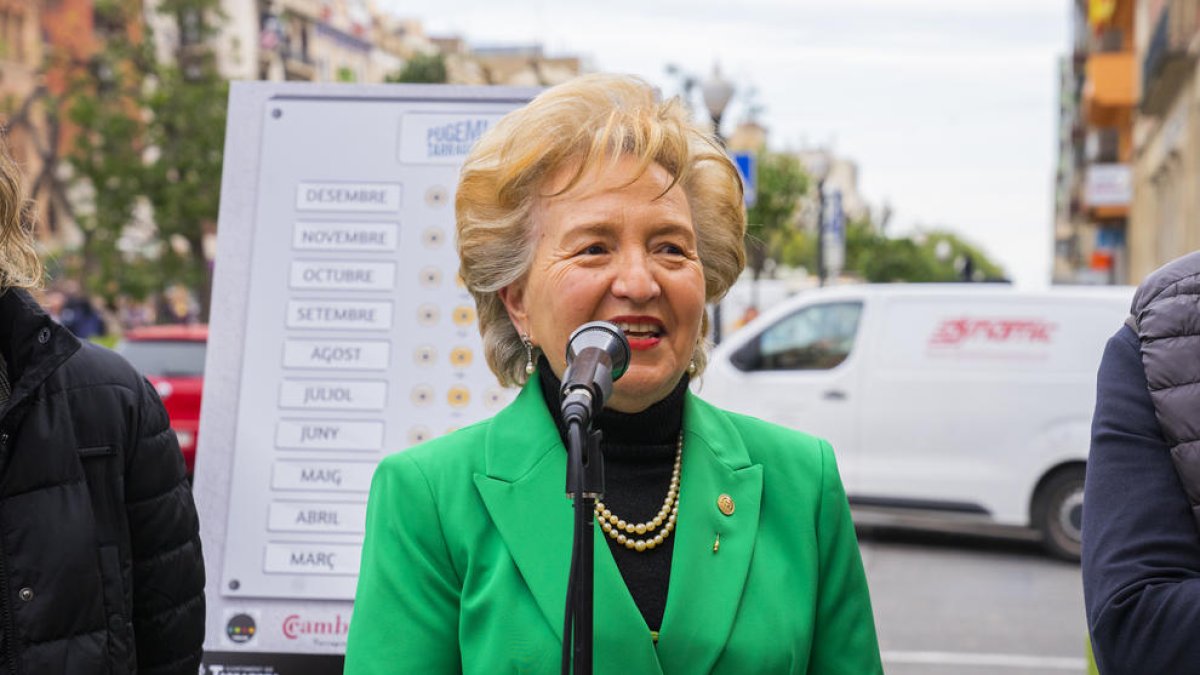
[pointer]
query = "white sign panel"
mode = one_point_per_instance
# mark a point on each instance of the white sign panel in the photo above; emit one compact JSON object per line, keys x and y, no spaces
{"x":342,"y":275}
{"x":341,"y":237}
{"x":313,"y":434}
{"x":339,"y":315}
{"x":313,"y":516}
{"x":340,"y":333}
{"x":312,"y":559}
{"x":322,"y":476}
{"x":337,"y":354}
{"x":332,"y":395}
{"x":1108,"y":185}
{"x":348,"y":197}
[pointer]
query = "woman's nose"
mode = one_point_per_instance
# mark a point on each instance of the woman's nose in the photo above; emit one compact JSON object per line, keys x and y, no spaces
{"x":635,"y":279}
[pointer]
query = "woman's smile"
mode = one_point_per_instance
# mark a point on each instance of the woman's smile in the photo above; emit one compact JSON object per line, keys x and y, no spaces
{"x":643,"y":332}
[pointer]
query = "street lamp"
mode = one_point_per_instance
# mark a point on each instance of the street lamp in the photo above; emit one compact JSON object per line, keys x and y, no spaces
{"x":818,"y":167}
{"x":717,"y":92}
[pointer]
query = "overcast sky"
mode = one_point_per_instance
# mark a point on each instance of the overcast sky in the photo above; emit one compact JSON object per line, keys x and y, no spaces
{"x":949,"y":107}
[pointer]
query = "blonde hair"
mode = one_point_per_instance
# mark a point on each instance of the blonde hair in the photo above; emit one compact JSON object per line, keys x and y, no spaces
{"x":581,"y":124}
{"x":20,"y":265}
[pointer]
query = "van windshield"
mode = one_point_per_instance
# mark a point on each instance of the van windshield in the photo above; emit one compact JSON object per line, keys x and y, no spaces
{"x":818,"y":337}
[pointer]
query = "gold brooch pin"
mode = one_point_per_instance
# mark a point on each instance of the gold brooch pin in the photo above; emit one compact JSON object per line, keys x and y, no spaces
{"x":725,"y":503}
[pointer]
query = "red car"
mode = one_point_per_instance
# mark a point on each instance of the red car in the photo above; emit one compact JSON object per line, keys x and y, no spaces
{"x":172,"y":358}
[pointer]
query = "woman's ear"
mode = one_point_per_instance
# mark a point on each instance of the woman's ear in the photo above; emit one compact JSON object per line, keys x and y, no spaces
{"x":513,"y":297}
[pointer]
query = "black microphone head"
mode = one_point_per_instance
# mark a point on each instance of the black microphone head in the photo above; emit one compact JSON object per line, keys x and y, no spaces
{"x":606,"y":336}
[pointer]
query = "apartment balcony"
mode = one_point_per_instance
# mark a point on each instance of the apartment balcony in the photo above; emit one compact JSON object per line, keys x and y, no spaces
{"x":1168,"y":62}
{"x":311,"y":9}
{"x":297,"y":65}
{"x":1109,"y":88}
{"x":1107,"y":190}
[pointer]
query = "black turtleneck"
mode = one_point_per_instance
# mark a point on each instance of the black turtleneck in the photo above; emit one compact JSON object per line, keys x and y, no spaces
{"x":639,"y":453}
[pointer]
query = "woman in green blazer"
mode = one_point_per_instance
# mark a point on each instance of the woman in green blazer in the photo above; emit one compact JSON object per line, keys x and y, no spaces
{"x":725,"y":544}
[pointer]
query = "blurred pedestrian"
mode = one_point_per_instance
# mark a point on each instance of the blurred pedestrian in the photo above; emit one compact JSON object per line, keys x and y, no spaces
{"x":82,"y":318}
{"x":179,"y":306}
{"x":749,"y":315}
{"x":53,"y":301}
{"x":134,"y":313}
{"x":1141,"y":545}
{"x":100,"y":565}
{"x":733,"y":551}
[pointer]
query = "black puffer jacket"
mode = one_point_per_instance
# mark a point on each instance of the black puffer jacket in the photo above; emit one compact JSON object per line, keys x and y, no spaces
{"x":100,"y":566}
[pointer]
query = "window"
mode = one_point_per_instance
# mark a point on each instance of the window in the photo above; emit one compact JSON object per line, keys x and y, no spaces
{"x":819,"y":337}
{"x":191,"y":27}
{"x":165,"y":358}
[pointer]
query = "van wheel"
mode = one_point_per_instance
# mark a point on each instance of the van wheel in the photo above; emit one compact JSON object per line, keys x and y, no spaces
{"x":1058,"y":513}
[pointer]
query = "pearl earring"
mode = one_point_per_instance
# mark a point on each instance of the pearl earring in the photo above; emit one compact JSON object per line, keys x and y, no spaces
{"x":692,"y":367}
{"x":528,"y":354}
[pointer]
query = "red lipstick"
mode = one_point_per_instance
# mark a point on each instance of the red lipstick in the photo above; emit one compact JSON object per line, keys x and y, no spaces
{"x":643,"y":332}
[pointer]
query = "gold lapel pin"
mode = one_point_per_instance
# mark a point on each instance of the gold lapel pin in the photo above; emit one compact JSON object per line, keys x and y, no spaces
{"x":725,"y":503}
{"x":717,"y":543}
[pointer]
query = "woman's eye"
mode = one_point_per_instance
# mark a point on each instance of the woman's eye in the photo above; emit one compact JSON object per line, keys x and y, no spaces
{"x":594,"y":249}
{"x":672,"y":249}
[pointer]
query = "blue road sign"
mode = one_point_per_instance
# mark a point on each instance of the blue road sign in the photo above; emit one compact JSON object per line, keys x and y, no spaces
{"x":835,"y":221}
{"x":747,"y":166}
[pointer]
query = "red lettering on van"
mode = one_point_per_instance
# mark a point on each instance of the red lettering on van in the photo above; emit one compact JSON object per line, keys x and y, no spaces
{"x":954,"y":332}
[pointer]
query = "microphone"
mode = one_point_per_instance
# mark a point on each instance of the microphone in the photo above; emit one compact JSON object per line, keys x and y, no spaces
{"x":597,"y":356}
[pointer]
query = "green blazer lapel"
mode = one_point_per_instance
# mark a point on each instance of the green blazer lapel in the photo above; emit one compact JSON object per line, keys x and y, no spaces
{"x":524,"y":492}
{"x":707,"y":580}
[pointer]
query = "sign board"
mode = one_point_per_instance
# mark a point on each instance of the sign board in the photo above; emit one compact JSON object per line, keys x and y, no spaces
{"x":833,"y":234}
{"x":1108,"y":185}
{"x":747,"y":166}
{"x":340,"y":333}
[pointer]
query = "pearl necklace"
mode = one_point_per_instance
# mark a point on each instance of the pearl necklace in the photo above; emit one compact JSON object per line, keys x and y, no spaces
{"x":617,"y":528}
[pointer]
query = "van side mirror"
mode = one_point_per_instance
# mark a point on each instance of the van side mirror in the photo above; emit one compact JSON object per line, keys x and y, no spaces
{"x":748,"y":357}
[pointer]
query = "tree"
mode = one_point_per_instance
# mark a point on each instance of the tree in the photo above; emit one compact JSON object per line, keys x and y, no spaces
{"x":937,"y":256}
{"x":771,"y":222}
{"x":103,"y":101}
{"x":422,"y":69}
{"x":150,"y":141}
{"x":187,"y":108}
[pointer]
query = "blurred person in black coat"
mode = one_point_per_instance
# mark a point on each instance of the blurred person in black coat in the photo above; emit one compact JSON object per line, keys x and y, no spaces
{"x":100,"y":565}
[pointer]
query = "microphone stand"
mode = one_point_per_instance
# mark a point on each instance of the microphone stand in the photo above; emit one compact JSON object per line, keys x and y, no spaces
{"x":585,"y":484}
{"x":592,"y":352}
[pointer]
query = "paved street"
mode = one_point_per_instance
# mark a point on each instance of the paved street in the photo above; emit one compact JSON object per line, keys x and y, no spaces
{"x":972,"y":605}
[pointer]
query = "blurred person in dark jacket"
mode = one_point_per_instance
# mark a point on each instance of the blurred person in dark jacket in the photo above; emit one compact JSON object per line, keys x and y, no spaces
{"x":1141,"y":545}
{"x":100,"y":565}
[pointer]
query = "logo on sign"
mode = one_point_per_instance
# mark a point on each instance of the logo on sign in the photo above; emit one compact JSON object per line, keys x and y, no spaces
{"x":454,"y":138}
{"x":240,"y":628}
{"x":959,"y":332}
{"x":328,"y":629}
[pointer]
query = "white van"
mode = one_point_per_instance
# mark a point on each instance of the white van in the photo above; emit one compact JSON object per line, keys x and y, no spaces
{"x":965,"y":401}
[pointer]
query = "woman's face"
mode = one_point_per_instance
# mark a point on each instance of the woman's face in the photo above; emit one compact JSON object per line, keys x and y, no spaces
{"x":615,"y":251}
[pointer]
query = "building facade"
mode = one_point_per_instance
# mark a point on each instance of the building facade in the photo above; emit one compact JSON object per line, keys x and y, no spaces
{"x":1095,"y":185}
{"x":46,"y":45}
{"x":351,"y":41}
{"x":20,"y":64}
{"x":1166,"y":212}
